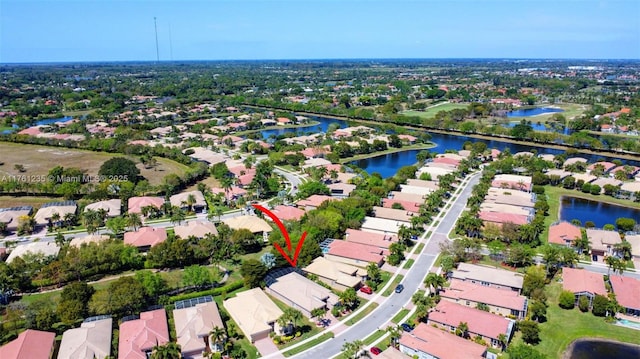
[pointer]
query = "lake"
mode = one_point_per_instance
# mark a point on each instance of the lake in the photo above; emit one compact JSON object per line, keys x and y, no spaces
{"x":49,"y":121}
{"x":597,"y":212}
{"x":601,"y":349}
{"x":533,"y":111}
{"x":388,"y":164}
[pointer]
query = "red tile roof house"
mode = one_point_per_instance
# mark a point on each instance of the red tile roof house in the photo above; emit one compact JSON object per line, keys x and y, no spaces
{"x":608,"y":166}
{"x":627,"y":291}
{"x":138,"y":337}
{"x":602,"y":241}
{"x":408,"y":139}
{"x":564,"y":233}
{"x":502,"y":218}
{"x":30,"y":344}
{"x":145,"y":237}
{"x":313,"y":201}
{"x":232,"y":194}
{"x":288,"y":213}
{"x":382,"y":241}
{"x":428,"y":342}
{"x":489,"y":326}
{"x":581,"y":282}
{"x":135,"y":204}
{"x":359,"y":255}
{"x":406,"y":205}
{"x":499,"y":301}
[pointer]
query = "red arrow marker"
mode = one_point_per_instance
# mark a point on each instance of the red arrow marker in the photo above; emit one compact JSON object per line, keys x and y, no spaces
{"x":285,"y":234}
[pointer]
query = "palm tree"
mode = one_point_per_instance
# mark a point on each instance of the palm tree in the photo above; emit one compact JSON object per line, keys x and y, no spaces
{"x":348,"y":298}
{"x":352,"y":349}
{"x":134,"y":221}
{"x":169,"y":350}
{"x":292,"y":317}
{"x":55,"y":218}
{"x":394,"y":335}
{"x":218,"y":337}
{"x":503,"y":340}
{"x":318,"y":313}
{"x":434,"y":281}
{"x":463,"y":330}
{"x":69,"y":219}
{"x":191,"y":200}
{"x":177,"y":215}
{"x":333,"y":174}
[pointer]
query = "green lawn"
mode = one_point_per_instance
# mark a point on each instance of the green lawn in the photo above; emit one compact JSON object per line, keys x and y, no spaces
{"x":419,"y":248}
{"x":565,"y":326}
{"x":571,"y":110}
{"x":354,"y":319}
{"x":409,"y":263}
{"x":311,"y":343}
{"x":401,"y":314}
{"x":373,"y":337}
{"x":431,"y":111}
{"x":393,"y":285}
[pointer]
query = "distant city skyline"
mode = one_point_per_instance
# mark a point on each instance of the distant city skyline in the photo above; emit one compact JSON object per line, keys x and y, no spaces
{"x":123,"y":30}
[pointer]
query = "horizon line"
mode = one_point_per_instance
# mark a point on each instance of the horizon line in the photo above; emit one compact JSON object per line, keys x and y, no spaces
{"x":321,"y":59}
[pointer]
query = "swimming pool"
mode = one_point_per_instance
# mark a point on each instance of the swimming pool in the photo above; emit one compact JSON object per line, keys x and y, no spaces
{"x":629,"y":323}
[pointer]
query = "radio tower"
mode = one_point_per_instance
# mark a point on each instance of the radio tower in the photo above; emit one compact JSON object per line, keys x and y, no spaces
{"x":155,"y":25}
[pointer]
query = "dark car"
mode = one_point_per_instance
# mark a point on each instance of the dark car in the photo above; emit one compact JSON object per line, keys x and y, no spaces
{"x":406,"y":327}
{"x":366,"y":290}
{"x":375,"y":350}
{"x":399,"y":288}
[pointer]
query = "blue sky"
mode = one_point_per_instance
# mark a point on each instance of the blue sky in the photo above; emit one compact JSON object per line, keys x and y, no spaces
{"x":123,"y":30}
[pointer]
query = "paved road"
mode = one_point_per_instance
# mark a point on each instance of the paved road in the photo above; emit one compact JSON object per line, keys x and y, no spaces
{"x":294,"y":180}
{"x":412,"y":281}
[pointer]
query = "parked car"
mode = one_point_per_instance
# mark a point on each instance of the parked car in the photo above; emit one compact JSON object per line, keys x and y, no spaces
{"x":406,"y":327}
{"x":375,"y":350}
{"x":399,"y":288}
{"x":366,"y":290}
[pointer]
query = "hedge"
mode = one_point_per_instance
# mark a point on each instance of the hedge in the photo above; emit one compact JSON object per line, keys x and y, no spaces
{"x":212,"y":292}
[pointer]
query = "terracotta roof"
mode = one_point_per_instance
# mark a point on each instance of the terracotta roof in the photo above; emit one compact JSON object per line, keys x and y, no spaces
{"x":314,"y":200}
{"x":135,"y":204}
{"x":462,"y":290}
{"x":581,"y":281}
{"x":562,"y":232}
{"x":448,"y":161}
{"x":369,"y":238}
{"x":357,"y":251}
{"x":627,"y":291}
{"x":497,"y":217}
{"x":394,"y":214}
{"x":145,"y":237}
{"x":233,"y":192}
{"x":441,"y":344}
{"x":142,"y":334}
{"x":30,"y":344}
{"x":408,"y":206}
{"x":112,"y":206}
{"x":288,"y":213}
{"x":606,"y":165}
{"x":479,"y":322}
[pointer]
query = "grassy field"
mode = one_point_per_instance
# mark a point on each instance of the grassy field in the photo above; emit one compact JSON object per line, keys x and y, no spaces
{"x":409,"y":263}
{"x":38,"y":160}
{"x":431,"y":111}
{"x":13,"y":201}
{"x":565,"y":326}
